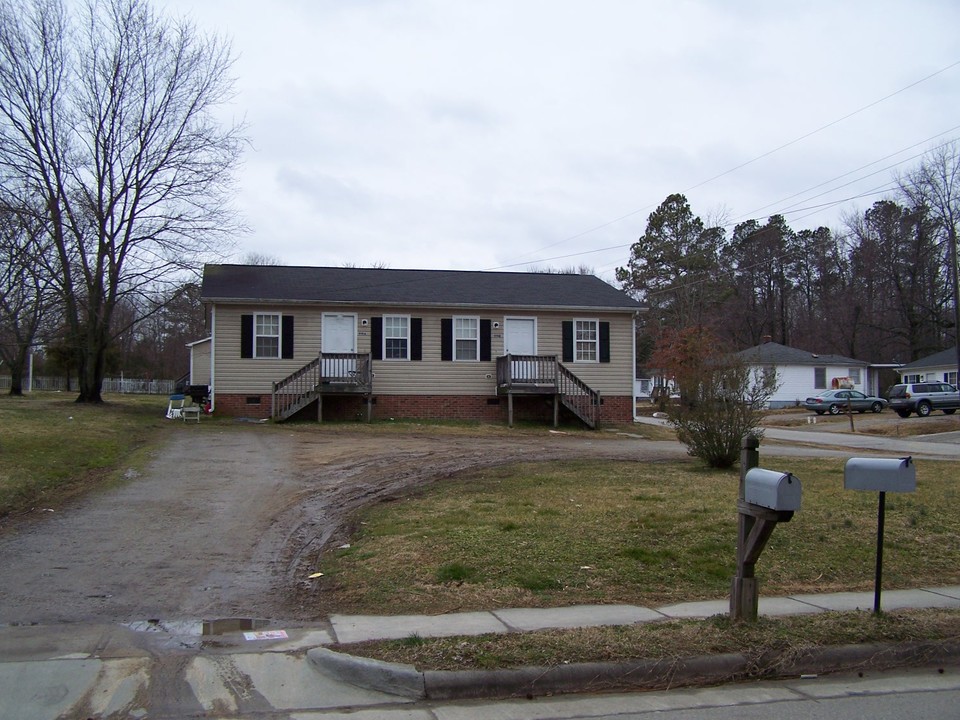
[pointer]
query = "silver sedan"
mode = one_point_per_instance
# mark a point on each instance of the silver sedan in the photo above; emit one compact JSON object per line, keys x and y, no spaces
{"x":837,"y":401}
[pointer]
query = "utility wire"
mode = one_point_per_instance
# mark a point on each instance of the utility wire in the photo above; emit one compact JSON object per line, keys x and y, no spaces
{"x":731,"y":170}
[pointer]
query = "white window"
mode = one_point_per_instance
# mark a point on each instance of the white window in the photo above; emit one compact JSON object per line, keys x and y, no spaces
{"x":911,"y":378}
{"x":466,"y":338}
{"x":266,"y":342}
{"x":586,"y":339}
{"x":854,"y":375}
{"x":950,"y":377}
{"x":396,"y":337}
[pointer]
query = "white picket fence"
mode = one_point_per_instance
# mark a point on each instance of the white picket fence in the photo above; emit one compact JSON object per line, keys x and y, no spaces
{"x":133,"y":386}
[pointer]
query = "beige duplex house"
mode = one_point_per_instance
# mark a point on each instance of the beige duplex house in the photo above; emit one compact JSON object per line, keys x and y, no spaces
{"x":343,"y":343}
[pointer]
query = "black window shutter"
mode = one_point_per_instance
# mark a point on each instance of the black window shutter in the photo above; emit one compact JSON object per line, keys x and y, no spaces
{"x":416,"y":338}
{"x":568,"y":341}
{"x":246,"y":336}
{"x":286,"y":337}
{"x":485,"y":339}
{"x":376,"y":338}
{"x":604,"y":342}
{"x":446,"y":339}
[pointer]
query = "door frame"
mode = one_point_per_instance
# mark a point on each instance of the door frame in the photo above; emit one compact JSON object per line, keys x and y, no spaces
{"x":506,"y":321}
{"x":323,"y":331}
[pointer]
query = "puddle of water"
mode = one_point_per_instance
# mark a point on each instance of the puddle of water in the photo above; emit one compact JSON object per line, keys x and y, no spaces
{"x":171,"y":627}
{"x":229,"y":625}
{"x":205,"y":628}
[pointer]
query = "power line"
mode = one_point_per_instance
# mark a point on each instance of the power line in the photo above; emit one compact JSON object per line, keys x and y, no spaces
{"x":756,"y":212}
{"x":730,"y":170}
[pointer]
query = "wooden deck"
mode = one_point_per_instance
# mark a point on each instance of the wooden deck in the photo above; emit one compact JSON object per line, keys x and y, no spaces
{"x":328,"y":374}
{"x":546,"y":375}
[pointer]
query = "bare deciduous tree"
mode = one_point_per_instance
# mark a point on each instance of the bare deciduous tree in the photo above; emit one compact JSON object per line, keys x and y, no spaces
{"x":935,"y":185}
{"x":107,"y":119}
{"x":25,"y":290}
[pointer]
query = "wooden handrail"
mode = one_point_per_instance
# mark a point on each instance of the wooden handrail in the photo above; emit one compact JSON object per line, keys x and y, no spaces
{"x":546,"y":373}
{"x":540,"y":370}
{"x":348,"y":370}
{"x":579,"y":397}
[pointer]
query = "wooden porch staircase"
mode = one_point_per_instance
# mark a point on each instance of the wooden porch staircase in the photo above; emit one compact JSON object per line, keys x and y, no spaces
{"x":546,"y":375}
{"x":327,"y":374}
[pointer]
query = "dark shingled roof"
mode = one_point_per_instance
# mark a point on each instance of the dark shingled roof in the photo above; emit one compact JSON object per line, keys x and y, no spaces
{"x":276,"y":283}
{"x":944,"y":357}
{"x":771,"y":353}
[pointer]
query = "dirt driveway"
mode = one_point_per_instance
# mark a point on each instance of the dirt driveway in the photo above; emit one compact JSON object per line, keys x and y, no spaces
{"x":219,"y":525}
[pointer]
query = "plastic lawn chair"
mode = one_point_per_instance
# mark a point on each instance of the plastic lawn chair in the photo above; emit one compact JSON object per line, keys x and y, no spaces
{"x":175,"y":407}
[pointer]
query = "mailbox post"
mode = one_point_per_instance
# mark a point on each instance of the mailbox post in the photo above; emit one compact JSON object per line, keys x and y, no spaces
{"x":882,"y":475}
{"x":766,"y":497}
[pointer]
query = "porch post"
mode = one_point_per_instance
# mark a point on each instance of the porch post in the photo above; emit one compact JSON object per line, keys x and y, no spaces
{"x":509,"y":409}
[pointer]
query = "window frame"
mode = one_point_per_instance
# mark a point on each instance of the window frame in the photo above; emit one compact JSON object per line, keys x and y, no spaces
{"x":257,"y":335}
{"x":578,"y":342}
{"x":407,"y":337}
{"x":456,"y":339}
{"x":820,"y":378}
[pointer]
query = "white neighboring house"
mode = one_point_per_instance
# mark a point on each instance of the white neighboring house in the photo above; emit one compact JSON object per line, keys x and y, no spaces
{"x":802,"y":374}
{"x":939,"y":367}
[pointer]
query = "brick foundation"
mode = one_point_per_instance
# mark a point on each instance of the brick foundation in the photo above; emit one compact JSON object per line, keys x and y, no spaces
{"x":480,"y":408}
{"x":243,"y":405}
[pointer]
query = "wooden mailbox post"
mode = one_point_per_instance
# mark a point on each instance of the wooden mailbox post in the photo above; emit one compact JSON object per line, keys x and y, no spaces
{"x":766,"y":497}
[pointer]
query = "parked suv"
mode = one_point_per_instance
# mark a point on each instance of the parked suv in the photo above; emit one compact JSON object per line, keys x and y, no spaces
{"x":923,"y":398}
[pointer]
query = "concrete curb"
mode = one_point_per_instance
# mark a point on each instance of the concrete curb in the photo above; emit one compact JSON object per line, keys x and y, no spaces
{"x":392,"y":678}
{"x":407,"y":681}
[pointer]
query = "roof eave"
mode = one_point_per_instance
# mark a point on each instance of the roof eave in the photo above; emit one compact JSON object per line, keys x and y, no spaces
{"x":373,"y":303}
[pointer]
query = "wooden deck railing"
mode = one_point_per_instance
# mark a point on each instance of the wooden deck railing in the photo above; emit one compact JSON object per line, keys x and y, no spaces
{"x":579,"y":397}
{"x":546,"y":374}
{"x":539,"y":370}
{"x":329,"y":372}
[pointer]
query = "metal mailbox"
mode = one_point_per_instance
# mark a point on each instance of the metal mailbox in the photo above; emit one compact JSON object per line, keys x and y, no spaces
{"x":772,"y":489}
{"x":880,"y":474}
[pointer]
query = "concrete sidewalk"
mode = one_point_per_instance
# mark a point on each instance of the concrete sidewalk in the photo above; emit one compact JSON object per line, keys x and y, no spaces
{"x":407,"y":681}
{"x":161,"y":670}
{"x":359,"y":628}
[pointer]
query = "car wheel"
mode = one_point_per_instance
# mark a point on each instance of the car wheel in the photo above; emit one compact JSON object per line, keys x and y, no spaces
{"x":876,"y":407}
{"x":834,"y":409}
{"x":903,"y":413}
{"x":951,"y":411}
{"x":923,"y":409}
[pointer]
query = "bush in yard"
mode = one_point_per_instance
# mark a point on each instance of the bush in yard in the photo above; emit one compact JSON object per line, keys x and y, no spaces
{"x":721,"y":398}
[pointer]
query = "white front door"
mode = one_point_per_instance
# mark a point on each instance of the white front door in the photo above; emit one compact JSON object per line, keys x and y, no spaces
{"x":520,"y":338}
{"x":338,"y":335}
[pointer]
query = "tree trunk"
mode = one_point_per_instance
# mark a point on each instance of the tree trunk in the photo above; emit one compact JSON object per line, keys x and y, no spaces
{"x":91,"y":370}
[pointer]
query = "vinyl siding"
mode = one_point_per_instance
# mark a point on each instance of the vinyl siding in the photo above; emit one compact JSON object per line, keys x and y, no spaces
{"x":200,"y":363}
{"x":797,"y":382}
{"x":429,"y":375}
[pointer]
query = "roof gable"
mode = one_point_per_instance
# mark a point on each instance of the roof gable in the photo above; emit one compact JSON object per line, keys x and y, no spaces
{"x":771,"y":353}
{"x":276,"y":284}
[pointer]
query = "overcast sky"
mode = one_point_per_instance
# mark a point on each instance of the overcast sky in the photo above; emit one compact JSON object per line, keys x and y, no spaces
{"x":494,"y":134}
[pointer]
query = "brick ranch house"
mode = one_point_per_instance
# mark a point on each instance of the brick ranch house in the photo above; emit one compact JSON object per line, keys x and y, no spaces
{"x":343,"y":343}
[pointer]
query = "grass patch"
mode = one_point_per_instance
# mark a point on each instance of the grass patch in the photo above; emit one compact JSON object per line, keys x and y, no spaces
{"x":674,"y":639}
{"x":547,"y":534}
{"x":455,"y":573}
{"x":52,"y":448}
